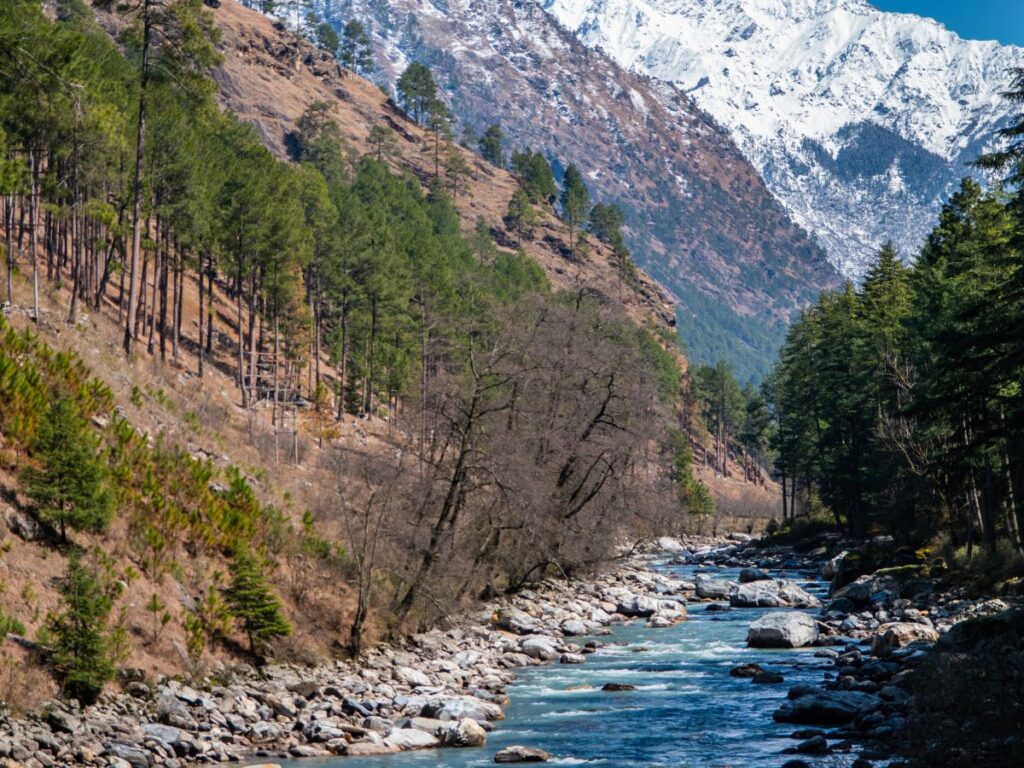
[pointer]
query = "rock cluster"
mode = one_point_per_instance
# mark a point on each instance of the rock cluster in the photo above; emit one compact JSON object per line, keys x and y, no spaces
{"x":442,"y":688}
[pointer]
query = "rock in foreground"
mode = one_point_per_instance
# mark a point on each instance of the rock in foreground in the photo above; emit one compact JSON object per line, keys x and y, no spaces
{"x":783,"y":629}
{"x":517,"y":754}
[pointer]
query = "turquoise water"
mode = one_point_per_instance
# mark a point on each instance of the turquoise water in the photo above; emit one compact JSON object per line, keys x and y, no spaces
{"x":687,"y":710}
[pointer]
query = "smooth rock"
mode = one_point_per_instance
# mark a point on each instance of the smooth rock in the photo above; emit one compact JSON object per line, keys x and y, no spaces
{"x":710,"y":588}
{"x":617,"y":687}
{"x":775,"y":593}
{"x":810,"y":705}
{"x":898,"y":634}
{"x":411,"y":738}
{"x":414,"y":678}
{"x":748,"y":575}
{"x":540,"y":647}
{"x":465,"y":733}
{"x":783,"y":629}
{"x":517,"y":754}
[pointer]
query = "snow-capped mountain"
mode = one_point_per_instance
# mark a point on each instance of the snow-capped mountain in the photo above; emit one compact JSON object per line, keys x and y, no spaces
{"x":858,"y":120}
{"x":700,"y":219}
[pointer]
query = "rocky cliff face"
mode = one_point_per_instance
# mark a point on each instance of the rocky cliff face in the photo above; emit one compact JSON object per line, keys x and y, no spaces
{"x":858,"y":120}
{"x":700,"y":218}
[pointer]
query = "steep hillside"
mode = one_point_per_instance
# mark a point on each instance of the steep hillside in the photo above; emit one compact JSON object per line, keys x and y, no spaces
{"x":860,"y":121}
{"x":269,"y":76}
{"x":700,"y":218}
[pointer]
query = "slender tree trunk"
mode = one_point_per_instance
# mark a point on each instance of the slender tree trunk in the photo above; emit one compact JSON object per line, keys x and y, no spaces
{"x":202,"y":312}
{"x":140,"y":145}
{"x":33,"y":161}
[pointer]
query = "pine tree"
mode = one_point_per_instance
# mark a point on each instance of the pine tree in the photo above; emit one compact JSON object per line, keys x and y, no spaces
{"x":324,"y":33}
{"x":70,"y":488}
{"x":535,"y":175}
{"x":382,"y":140}
{"x":417,"y":90}
{"x":82,"y":648}
{"x":356,"y":50}
{"x":490,"y":145}
{"x":575,"y":202}
{"x":253,"y":603}
{"x":521,"y":217}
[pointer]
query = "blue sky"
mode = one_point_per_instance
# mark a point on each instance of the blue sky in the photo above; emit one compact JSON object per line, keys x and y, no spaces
{"x":1001,"y":20}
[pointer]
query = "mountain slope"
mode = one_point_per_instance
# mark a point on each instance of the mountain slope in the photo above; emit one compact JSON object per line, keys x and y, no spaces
{"x":858,"y":120}
{"x":268,"y":77}
{"x":701,"y":220}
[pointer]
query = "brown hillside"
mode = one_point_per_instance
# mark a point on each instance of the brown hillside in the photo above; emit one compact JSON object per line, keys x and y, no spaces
{"x":269,"y":77}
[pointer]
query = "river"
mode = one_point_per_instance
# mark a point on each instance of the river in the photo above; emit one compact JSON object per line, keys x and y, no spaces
{"x":687,"y":709}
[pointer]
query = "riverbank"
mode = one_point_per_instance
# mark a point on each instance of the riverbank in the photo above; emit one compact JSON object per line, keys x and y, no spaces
{"x":447,"y":687}
{"x":441,"y":688}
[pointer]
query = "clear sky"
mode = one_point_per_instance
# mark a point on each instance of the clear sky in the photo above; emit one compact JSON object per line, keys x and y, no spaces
{"x":1001,"y":20}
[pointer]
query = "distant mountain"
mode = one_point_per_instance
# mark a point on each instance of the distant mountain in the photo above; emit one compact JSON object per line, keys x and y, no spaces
{"x":700,"y":218}
{"x":858,"y":120}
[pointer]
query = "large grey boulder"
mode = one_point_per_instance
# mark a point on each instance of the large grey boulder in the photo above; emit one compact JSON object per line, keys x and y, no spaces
{"x":411,"y":738}
{"x":898,"y":634}
{"x":540,"y":647}
{"x":863,"y":589}
{"x":637,"y":606}
{"x":710,"y":588}
{"x":178,"y":740}
{"x":775,"y":593}
{"x":748,"y":575}
{"x":517,"y":754}
{"x":783,"y":629}
{"x":414,"y":678}
{"x":460,"y":707}
{"x":811,"y":705}
{"x":465,"y":733}
{"x":515,"y":620}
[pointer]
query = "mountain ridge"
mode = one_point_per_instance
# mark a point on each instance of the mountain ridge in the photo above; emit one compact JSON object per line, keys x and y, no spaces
{"x":699,"y":218}
{"x":794,"y":81}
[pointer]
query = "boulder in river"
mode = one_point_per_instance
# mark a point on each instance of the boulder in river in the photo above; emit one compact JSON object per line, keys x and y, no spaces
{"x":518,"y":754}
{"x":411,"y":738}
{"x":810,"y":705}
{"x":745,"y":670}
{"x":900,"y":633}
{"x":465,"y":733}
{"x":617,"y":687}
{"x":774,"y":593}
{"x":710,"y":588}
{"x":540,"y":647}
{"x":748,"y":575}
{"x":636,"y":606}
{"x":783,"y":629}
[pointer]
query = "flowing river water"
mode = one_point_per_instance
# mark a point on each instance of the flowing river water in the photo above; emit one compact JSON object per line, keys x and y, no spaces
{"x":687,"y":709}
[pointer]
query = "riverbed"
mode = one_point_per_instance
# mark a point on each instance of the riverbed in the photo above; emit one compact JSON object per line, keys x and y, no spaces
{"x":686,"y":711}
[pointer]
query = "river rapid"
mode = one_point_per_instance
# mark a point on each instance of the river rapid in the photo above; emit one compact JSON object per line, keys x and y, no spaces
{"x":686,"y":711}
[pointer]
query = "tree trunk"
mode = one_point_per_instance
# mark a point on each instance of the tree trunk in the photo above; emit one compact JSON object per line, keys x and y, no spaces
{"x":140,"y":145}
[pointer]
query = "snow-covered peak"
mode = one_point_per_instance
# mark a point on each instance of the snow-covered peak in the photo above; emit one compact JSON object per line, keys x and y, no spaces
{"x":795,"y":79}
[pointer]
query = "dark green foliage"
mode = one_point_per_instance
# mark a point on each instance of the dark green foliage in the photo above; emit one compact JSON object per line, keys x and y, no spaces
{"x":253,"y":604}
{"x":575,"y":202}
{"x":491,"y":145}
{"x":535,"y":175}
{"x":325,"y":35}
{"x":695,"y":497}
{"x":521,"y":216}
{"x":606,"y":222}
{"x":70,"y":487}
{"x":82,"y":652}
{"x":417,"y":90}
{"x":897,"y":402}
{"x":10,"y":626}
{"x":356,"y":51}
